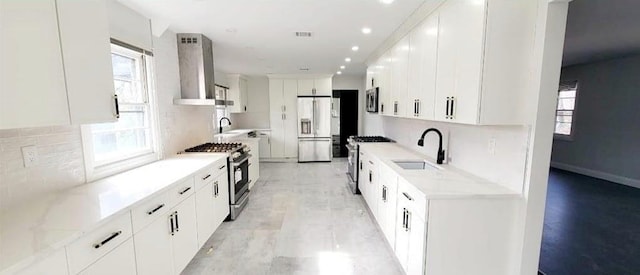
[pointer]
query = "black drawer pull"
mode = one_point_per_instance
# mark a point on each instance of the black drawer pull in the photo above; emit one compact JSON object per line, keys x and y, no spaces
{"x":206,"y":177}
{"x":221,"y":167}
{"x":185,"y":190}
{"x":173,"y":229}
{"x":155,"y":209}
{"x":177,"y":224}
{"x":105,"y":241}
{"x":407,"y":196}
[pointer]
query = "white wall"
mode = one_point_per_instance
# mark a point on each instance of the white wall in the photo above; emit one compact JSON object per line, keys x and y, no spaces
{"x":353,"y":82}
{"x":606,"y":140}
{"x":257,"y":115}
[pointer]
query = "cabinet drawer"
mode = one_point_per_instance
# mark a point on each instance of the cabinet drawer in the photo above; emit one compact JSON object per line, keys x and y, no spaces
{"x":415,"y":200}
{"x":209,"y":173}
{"x":181,"y":191}
{"x":97,"y":243}
{"x":146,"y":213}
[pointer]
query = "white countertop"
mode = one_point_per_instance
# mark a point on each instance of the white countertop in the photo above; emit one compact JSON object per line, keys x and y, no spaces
{"x":446,"y":183}
{"x":35,"y":229}
{"x":231,"y":134}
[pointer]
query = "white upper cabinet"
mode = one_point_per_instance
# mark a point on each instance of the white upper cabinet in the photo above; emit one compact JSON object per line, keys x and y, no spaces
{"x":315,"y":86}
{"x":481,"y":45}
{"x":32,"y":84}
{"x":56,"y":63}
{"x":399,"y":69}
{"x":86,"y":50}
{"x":422,"y":69}
{"x":383,"y":67}
{"x":238,"y":93}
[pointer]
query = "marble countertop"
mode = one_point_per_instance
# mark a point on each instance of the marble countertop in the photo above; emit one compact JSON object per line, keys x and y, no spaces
{"x":235,"y":133}
{"x":446,"y":183}
{"x":33,"y":230}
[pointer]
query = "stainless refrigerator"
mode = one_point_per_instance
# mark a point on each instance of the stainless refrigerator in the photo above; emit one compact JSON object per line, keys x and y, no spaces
{"x":314,"y":128}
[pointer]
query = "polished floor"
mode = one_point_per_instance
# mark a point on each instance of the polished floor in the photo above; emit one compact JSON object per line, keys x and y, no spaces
{"x":591,"y":226}
{"x":301,"y":219}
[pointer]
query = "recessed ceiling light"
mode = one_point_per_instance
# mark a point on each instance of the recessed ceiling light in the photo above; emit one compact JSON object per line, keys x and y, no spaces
{"x":339,"y":72}
{"x":386,"y":1}
{"x":355,"y":48}
{"x":366,"y":30}
{"x":347,"y":59}
{"x":342,"y":67}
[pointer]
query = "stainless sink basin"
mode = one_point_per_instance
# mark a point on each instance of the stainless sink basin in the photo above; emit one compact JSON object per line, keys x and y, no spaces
{"x":416,"y":165}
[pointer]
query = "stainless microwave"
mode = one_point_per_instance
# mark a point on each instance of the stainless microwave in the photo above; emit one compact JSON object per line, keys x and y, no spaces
{"x":372,"y":100}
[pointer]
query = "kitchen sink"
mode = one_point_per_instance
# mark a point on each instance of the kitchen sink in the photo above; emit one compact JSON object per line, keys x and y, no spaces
{"x":416,"y":165}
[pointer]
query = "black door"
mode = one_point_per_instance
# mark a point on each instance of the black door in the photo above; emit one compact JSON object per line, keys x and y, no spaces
{"x":348,"y":118}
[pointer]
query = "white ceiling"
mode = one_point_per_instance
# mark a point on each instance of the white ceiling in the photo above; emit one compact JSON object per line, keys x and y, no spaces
{"x":257,"y":36}
{"x":601,"y":29}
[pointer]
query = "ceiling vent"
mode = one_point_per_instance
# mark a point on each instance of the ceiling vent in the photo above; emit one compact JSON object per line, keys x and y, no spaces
{"x":303,"y":34}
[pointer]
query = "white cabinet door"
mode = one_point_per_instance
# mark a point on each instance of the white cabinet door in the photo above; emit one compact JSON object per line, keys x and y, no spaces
{"x":276,"y":104}
{"x":220,"y":199}
{"x":290,"y":99}
{"x":53,"y":264}
{"x":417,"y":245}
{"x":153,"y":248}
{"x":422,"y":69}
{"x":185,"y":239}
{"x":244,"y":95}
{"x":32,"y":85}
{"x":237,"y":93}
{"x":372,"y":186}
{"x":399,"y":68}
{"x":121,"y":260}
{"x":205,"y":213}
{"x":370,"y":77}
{"x":402,"y":234}
{"x":459,"y":69}
{"x":323,"y":86}
{"x":387,"y":208}
{"x":305,"y":87}
{"x":265,"y":144}
{"x":84,"y":34}
{"x":385,"y":93}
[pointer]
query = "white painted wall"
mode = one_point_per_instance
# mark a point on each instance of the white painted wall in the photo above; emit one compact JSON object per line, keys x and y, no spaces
{"x":606,"y":140}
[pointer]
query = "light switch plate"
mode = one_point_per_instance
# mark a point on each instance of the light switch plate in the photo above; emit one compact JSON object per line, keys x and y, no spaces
{"x":30,"y":156}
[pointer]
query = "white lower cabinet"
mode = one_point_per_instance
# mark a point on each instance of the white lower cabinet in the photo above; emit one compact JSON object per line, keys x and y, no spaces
{"x":205,"y":208}
{"x":410,"y":238}
{"x":168,"y":244}
{"x":220,"y":200}
{"x":387,"y":200}
{"x":120,"y":261}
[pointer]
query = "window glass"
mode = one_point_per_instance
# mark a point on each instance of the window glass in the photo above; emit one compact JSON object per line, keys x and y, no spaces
{"x":565,"y":110}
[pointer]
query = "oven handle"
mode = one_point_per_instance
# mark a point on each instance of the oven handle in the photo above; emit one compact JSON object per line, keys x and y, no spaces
{"x":239,"y":162}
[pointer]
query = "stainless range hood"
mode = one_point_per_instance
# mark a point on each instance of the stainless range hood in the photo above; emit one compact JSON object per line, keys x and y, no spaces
{"x":195,"y":58}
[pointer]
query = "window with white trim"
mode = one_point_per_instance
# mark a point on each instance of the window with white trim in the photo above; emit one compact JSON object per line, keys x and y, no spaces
{"x":131,"y":141}
{"x":565,"y":109}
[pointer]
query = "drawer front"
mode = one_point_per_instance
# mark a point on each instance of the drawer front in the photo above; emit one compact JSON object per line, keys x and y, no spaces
{"x":209,"y":173}
{"x":416,"y":201}
{"x":97,"y":243}
{"x":181,"y":191}
{"x":144,"y":214}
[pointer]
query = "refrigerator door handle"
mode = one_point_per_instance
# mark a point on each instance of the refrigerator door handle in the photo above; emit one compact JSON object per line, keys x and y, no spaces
{"x":315,"y":118}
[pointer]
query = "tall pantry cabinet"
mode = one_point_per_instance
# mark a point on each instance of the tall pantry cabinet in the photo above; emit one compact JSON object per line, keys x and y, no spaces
{"x":283,"y":101}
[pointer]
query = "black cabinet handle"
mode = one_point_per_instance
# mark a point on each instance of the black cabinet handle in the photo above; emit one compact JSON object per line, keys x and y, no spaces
{"x":173,"y":229}
{"x":105,"y":241}
{"x":221,"y":167}
{"x":184,"y":191}
{"x":447,"y":114}
{"x":453,"y":108}
{"x":382,"y":107}
{"x":404,"y":218}
{"x":245,"y":108}
{"x":370,"y":176}
{"x":155,"y":209}
{"x":360,"y":165}
{"x":115,"y":99}
{"x":407,"y":196}
{"x":215,"y":189}
{"x":206,"y":177}
{"x":408,"y":227}
{"x":177,"y":224}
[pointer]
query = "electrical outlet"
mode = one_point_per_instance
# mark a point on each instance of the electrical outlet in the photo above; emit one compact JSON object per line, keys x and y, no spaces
{"x":492,"y":146}
{"x":30,"y":156}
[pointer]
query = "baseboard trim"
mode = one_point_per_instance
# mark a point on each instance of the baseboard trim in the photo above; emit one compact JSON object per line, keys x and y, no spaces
{"x":597,"y":174}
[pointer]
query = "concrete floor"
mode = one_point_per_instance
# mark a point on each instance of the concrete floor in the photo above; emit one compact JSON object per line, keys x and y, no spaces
{"x":301,"y":219}
{"x":591,"y":226}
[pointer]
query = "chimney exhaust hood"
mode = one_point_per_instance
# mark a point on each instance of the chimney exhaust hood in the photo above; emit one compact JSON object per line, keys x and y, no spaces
{"x":197,"y":84}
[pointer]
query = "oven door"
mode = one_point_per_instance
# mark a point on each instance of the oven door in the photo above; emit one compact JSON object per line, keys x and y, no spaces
{"x":239,"y":176}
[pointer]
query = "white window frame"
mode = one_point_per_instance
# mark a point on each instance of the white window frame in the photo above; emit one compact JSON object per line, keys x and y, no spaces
{"x":570,"y":136}
{"x":97,"y":170}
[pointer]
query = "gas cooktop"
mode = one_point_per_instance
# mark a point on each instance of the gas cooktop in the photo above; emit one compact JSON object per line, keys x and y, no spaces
{"x":370,"y":139}
{"x":215,"y":148}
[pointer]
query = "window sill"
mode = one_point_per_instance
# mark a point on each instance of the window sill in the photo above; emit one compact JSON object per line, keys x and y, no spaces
{"x":110,"y":169}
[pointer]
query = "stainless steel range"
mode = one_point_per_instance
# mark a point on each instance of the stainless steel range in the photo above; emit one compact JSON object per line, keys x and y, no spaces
{"x":238,"y":163}
{"x":353,"y":157}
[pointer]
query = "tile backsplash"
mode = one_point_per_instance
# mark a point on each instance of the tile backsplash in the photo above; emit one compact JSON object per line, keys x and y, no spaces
{"x":60,"y":162}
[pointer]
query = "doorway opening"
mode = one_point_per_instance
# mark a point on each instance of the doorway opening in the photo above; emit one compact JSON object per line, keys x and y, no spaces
{"x":344,"y":120}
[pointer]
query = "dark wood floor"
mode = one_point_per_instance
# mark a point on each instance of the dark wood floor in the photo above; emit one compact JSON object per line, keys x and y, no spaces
{"x":591,"y":226}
